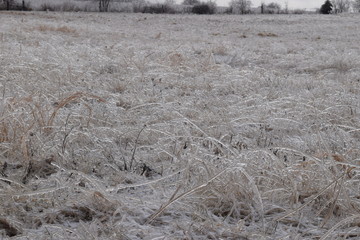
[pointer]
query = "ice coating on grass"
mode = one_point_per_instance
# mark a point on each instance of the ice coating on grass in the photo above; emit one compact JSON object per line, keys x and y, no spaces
{"x":178,"y":126}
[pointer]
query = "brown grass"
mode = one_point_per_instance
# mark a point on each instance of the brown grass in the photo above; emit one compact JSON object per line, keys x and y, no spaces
{"x":71,"y":98}
{"x":9,"y":229}
{"x":4,"y":133}
{"x":62,"y":29}
{"x":267,"y":34}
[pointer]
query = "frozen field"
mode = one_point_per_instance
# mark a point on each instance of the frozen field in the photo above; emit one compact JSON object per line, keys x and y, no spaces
{"x":133,"y":126}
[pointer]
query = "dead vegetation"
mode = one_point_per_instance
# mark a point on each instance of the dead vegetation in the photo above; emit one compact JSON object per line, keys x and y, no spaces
{"x":107,"y":137}
{"x":61,"y":29}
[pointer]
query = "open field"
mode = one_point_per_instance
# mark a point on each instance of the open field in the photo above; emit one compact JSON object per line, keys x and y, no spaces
{"x":134,"y":126}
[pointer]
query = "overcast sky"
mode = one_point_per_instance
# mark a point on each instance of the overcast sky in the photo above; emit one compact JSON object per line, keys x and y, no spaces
{"x":293,"y":4}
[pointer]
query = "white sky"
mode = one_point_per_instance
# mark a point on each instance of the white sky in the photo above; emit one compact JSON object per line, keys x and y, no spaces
{"x":293,"y":4}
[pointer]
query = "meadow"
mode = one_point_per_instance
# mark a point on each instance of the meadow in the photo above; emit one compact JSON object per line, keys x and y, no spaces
{"x":140,"y":126}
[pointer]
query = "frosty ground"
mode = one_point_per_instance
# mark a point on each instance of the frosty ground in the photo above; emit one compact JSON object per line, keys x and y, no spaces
{"x":135,"y":126}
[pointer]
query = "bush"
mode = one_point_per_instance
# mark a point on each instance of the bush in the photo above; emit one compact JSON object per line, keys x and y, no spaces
{"x":69,"y":7}
{"x":203,"y":8}
{"x":47,"y":7}
{"x":298,"y":11}
{"x":158,"y":8}
{"x":62,"y":7}
{"x":326,"y":8}
{"x":186,"y":9}
{"x":126,"y":7}
{"x":228,"y":10}
{"x":138,"y":6}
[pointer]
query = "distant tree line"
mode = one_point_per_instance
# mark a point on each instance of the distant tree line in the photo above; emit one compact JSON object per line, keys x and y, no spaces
{"x":339,"y":6}
{"x":14,"y":5}
{"x":187,"y":6}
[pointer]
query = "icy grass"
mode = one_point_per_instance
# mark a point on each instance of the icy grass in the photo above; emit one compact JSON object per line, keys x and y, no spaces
{"x":117,"y":126}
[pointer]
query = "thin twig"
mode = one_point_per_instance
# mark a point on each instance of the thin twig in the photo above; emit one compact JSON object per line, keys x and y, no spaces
{"x":136,"y":142}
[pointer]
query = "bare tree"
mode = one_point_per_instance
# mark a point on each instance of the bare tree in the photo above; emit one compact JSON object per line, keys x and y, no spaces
{"x":356,"y":5}
{"x":341,"y":6}
{"x":240,"y":6}
{"x":104,"y":5}
{"x":273,"y":8}
{"x":8,"y":4}
{"x":286,"y":9}
{"x":262,"y":7}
